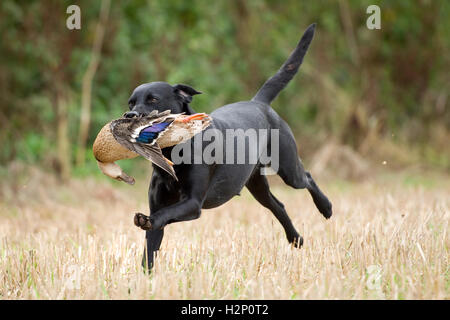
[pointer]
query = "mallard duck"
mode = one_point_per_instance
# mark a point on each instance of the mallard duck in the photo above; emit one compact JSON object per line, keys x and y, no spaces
{"x":127,"y":138}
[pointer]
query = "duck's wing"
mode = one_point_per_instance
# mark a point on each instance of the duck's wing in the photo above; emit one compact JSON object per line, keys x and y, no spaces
{"x":148,"y":133}
{"x":141,"y":138}
{"x":151,"y":152}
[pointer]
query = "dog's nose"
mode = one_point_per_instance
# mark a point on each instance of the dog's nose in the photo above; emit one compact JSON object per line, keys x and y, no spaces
{"x":131,"y":114}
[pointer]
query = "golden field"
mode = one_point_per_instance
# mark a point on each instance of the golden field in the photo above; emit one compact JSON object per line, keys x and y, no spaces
{"x":387,"y":239}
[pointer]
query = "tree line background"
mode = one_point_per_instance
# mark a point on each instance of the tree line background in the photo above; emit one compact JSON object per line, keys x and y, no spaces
{"x":383,"y":94}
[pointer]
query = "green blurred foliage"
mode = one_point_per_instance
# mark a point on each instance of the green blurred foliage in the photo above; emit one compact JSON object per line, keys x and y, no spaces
{"x":355,"y":83}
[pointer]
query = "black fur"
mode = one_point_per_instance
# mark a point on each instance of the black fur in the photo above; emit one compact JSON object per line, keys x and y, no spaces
{"x":203,"y":186}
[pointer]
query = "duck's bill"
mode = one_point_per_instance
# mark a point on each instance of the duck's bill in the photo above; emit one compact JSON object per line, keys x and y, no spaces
{"x":126,"y":178}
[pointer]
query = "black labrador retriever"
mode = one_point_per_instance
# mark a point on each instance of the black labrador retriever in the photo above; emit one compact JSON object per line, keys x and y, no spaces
{"x":205,"y":186}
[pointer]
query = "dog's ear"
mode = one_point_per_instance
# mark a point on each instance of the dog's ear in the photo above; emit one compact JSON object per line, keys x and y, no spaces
{"x":185,"y":93}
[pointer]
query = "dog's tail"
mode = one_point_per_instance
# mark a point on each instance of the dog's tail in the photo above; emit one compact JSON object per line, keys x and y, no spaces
{"x":277,"y":82}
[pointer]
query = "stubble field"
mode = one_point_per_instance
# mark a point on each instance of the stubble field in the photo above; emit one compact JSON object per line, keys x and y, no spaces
{"x":387,"y":239}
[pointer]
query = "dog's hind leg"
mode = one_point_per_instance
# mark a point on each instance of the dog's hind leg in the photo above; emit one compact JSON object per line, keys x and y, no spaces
{"x":259,"y":188}
{"x":293,"y":173}
{"x":320,"y":200}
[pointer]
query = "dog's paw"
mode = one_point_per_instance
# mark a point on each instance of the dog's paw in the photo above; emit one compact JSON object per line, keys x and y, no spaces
{"x":324,"y":206}
{"x":326,"y":209}
{"x":142,"y":221}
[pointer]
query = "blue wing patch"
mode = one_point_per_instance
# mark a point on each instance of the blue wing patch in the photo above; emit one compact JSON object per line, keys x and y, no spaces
{"x":150,"y":133}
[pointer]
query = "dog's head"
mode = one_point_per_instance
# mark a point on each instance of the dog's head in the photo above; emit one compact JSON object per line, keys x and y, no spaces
{"x":161,"y":96}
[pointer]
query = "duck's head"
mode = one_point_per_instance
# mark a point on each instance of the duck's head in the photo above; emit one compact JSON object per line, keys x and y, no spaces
{"x":160,"y":96}
{"x":114,"y":171}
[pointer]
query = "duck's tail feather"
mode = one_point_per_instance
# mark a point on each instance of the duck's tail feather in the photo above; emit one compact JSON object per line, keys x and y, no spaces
{"x":153,"y":153}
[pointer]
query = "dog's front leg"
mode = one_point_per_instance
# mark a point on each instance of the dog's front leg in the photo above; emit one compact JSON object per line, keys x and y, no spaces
{"x":159,"y":197}
{"x":188,"y":209}
{"x":153,"y":240}
{"x":154,"y":225}
{"x":184,"y":210}
{"x":193,"y":189}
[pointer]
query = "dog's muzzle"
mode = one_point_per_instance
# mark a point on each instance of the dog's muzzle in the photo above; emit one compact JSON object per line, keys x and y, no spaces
{"x":130,"y":114}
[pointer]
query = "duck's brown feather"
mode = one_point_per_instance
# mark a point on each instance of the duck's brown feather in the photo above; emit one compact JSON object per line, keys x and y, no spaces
{"x":107,"y":149}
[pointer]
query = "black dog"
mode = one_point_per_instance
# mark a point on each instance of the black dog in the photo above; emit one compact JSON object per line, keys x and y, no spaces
{"x":203,"y":186}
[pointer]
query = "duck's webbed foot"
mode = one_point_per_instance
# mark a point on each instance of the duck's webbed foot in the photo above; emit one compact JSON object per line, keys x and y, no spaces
{"x":142,"y":221}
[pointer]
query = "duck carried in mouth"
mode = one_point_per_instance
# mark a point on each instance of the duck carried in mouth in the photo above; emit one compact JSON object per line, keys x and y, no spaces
{"x":145,"y":136}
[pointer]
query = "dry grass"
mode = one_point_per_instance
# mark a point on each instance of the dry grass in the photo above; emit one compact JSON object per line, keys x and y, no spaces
{"x":78,"y":241}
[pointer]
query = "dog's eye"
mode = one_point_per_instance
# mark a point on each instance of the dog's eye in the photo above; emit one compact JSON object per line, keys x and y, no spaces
{"x":152,"y":100}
